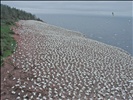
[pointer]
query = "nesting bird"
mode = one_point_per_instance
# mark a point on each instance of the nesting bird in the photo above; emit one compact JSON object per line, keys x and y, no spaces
{"x":63,"y":62}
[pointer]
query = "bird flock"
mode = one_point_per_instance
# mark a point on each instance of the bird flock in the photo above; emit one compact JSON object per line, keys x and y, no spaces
{"x":60,"y":64}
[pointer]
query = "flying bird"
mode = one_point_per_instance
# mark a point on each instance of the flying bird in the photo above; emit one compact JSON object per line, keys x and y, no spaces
{"x":112,"y":13}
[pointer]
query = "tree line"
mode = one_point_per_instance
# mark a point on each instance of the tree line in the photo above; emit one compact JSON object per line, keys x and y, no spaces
{"x":13,"y":14}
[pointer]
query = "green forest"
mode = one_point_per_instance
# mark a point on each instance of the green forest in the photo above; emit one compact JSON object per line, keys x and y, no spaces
{"x":8,"y":18}
{"x":13,"y":14}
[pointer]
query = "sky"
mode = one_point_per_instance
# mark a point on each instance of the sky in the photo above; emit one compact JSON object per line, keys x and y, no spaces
{"x":120,"y":8}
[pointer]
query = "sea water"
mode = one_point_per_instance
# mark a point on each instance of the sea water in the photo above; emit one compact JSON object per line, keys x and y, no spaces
{"x":112,"y":30}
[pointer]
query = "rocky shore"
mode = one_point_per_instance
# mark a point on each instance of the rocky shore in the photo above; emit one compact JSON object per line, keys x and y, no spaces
{"x":52,"y":63}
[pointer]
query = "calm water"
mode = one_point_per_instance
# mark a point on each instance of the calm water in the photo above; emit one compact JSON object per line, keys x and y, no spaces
{"x":116,"y":31}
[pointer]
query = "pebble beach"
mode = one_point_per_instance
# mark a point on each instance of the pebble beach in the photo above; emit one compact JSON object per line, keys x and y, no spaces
{"x":53,"y":63}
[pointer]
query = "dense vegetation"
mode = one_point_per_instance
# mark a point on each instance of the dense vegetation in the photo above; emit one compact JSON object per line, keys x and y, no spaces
{"x":14,"y":14}
{"x":7,"y":42}
{"x":8,"y":17}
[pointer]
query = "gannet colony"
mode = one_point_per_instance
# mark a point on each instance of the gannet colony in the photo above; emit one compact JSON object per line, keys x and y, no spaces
{"x":64,"y":65}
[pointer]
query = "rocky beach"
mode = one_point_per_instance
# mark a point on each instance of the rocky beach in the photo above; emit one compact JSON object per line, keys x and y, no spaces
{"x":53,"y":63}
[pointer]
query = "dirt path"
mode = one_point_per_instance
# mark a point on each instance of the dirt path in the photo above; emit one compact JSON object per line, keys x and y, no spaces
{"x":53,"y":63}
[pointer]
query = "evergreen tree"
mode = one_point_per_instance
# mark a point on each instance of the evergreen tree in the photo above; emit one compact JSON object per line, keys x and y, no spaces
{"x":8,"y":13}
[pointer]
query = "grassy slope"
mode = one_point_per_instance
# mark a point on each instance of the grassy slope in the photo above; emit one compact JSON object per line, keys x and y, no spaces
{"x":7,"y":41}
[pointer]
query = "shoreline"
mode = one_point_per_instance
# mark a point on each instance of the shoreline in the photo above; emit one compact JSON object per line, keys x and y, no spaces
{"x":114,"y":34}
{"x":85,"y":36}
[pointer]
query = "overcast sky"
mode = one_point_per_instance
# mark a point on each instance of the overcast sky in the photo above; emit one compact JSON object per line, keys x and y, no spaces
{"x":120,"y":8}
